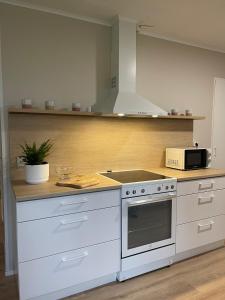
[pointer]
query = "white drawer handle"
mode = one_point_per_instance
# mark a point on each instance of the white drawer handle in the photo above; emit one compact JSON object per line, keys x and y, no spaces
{"x":206,"y":185}
{"x":66,"y":259}
{"x":205,"y":227}
{"x":73,"y":203}
{"x":84,"y":219}
{"x":205,"y":200}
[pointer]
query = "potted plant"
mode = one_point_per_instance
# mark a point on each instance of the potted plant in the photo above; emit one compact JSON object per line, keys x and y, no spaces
{"x":36,"y":168}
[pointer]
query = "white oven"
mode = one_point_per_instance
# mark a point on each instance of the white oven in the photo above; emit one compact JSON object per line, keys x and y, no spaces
{"x":148,"y":222}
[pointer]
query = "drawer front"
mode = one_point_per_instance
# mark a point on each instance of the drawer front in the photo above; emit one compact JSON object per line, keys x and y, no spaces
{"x":199,"y":233}
{"x":201,"y":185}
{"x":37,"y":209}
{"x":42,"y":276}
{"x":49,"y":236}
{"x":200,"y":206}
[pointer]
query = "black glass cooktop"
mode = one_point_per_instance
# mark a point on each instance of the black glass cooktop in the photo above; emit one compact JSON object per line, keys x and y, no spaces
{"x":133,"y":176}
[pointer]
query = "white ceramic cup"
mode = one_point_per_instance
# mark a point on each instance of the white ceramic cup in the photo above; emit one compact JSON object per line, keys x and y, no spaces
{"x":89,"y":108}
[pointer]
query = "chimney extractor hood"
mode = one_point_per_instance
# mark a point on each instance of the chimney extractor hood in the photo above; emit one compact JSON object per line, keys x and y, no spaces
{"x":123,"y":97}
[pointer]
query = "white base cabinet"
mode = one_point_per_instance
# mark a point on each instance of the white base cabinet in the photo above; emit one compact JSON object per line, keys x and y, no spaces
{"x":49,"y":274}
{"x":200,"y":214}
{"x":200,"y":206}
{"x":199,"y":233}
{"x":69,"y":244}
{"x":64,"y":233}
{"x":65,"y":242}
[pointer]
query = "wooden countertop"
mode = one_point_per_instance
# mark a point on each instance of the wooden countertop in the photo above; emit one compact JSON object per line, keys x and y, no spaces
{"x":190,"y":175}
{"x":25,"y":192}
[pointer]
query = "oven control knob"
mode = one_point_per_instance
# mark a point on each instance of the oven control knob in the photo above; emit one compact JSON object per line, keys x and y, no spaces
{"x":134,"y":192}
{"x":127,"y":193}
{"x":167,"y":187}
{"x":172,"y":187}
{"x":159,"y":188}
{"x":142,"y":190}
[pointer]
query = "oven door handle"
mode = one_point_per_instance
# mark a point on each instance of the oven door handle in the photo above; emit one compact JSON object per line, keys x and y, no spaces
{"x":150,"y":200}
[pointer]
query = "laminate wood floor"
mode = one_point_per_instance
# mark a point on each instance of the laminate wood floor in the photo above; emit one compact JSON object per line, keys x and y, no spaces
{"x":199,"y":278}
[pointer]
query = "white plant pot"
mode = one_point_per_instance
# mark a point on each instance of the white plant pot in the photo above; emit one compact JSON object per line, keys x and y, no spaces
{"x":36,"y":174}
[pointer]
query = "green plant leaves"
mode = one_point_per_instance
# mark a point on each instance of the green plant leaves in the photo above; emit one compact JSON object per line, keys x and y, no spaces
{"x":36,"y":156}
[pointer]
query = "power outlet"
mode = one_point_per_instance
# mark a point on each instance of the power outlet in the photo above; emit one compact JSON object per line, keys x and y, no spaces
{"x":20,"y":162}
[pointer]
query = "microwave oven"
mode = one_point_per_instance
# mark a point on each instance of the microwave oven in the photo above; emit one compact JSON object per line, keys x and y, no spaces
{"x":188,"y":158}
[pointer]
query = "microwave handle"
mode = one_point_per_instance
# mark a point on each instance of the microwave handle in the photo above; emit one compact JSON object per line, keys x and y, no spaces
{"x":150,"y":200}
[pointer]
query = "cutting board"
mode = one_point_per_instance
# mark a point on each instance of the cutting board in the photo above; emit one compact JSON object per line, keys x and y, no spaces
{"x":79,"y":181}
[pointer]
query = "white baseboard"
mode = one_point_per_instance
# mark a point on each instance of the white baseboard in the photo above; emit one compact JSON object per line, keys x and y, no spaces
{"x":145,"y":262}
{"x":197,"y":251}
{"x":122,"y":276}
{"x":78,"y":288}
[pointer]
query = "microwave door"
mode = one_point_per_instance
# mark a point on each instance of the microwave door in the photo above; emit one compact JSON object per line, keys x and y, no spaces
{"x":195,"y":159}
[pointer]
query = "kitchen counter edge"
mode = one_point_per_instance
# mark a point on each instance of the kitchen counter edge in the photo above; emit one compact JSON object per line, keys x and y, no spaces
{"x":26,"y":192}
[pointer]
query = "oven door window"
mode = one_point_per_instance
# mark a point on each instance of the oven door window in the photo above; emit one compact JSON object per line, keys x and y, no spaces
{"x":149,"y":223}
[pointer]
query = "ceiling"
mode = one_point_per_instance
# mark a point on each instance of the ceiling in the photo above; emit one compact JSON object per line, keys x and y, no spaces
{"x":195,"y":22}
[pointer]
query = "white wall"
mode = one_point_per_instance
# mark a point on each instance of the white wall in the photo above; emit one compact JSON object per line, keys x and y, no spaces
{"x":52,"y":57}
{"x":46,"y":56}
{"x":179,"y":76}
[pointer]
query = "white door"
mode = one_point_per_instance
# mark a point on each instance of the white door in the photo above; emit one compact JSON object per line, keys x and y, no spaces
{"x":218,"y":124}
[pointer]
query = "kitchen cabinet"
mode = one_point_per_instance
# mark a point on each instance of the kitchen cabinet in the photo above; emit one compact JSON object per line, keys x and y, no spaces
{"x":199,"y":233}
{"x":51,"y":207}
{"x":56,"y":272}
{"x":200,"y":206}
{"x":200,"y":186}
{"x":67,"y":241}
{"x":200,"y":213}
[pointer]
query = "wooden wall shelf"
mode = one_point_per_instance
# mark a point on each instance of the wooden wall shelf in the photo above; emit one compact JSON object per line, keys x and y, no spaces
{"x":95,"y":114}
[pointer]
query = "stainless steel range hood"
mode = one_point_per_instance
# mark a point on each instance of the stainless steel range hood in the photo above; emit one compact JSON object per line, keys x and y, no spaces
{"x":124,"y":98}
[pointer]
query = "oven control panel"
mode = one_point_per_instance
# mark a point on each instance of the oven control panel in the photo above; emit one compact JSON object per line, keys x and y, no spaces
{"x":146,"y":188}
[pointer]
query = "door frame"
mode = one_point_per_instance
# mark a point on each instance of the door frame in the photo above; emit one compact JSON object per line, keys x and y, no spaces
{"x":213,"y":147}
{"x":8,"y":211}
{"x":213,"y":118}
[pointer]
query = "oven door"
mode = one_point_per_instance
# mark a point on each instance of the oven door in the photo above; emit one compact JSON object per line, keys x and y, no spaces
{"x":148,"y":223}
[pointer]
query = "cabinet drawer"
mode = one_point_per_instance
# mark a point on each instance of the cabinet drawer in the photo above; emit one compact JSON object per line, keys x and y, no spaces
{"x":42,"y":276}
{"x":49,"y":236}
{"x":200,"y":206}
{"x":199,"y":233}
{"x":201,"y":185}
{"x":37,"y":209}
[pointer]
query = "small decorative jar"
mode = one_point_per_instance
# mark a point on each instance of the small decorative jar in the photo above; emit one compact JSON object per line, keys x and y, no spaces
{"x":26,"y":103}
{"x":75,"y":106}
{"x":188,"y":112}
{"x":49,"y":104}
